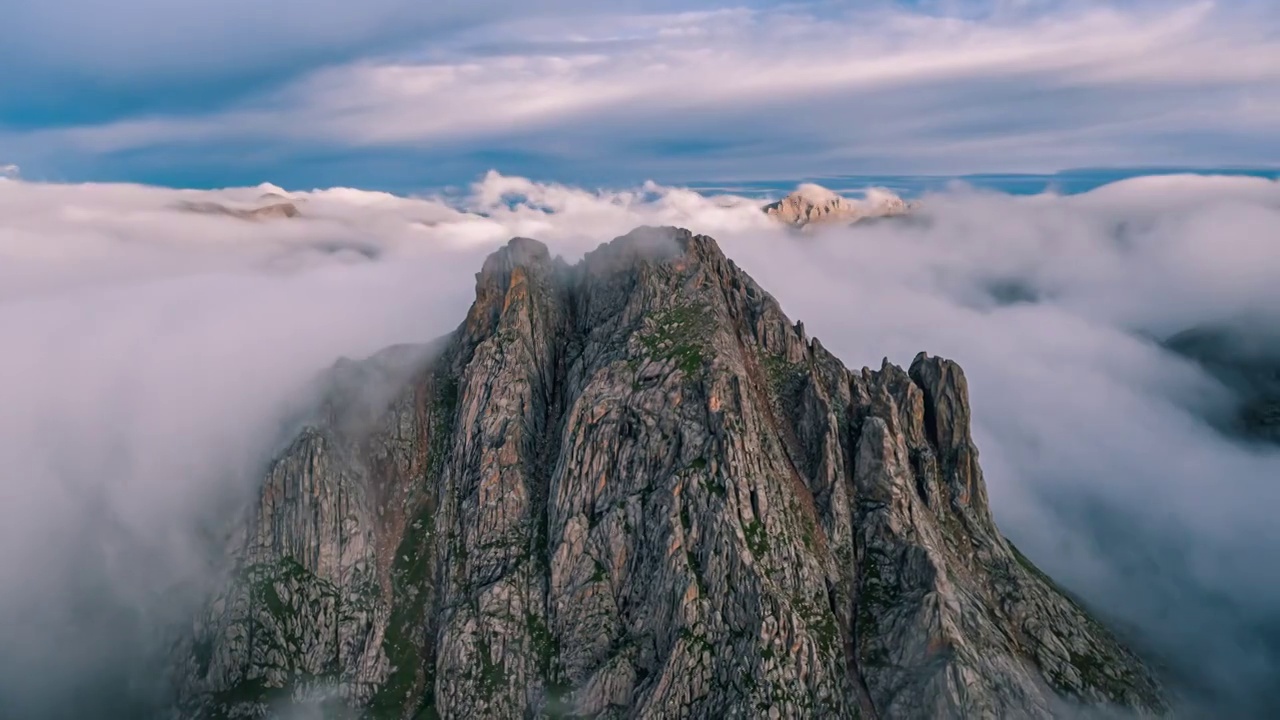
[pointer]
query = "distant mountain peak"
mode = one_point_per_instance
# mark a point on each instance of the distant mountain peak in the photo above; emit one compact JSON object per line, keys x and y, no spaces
{"x":273,"y":210}
{"x":810,"y":204}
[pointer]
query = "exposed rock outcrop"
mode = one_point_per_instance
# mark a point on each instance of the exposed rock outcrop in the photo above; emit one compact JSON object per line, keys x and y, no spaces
{"x":266,"y":212}
{"x":811,"y":204}
{"x":634,"y":488}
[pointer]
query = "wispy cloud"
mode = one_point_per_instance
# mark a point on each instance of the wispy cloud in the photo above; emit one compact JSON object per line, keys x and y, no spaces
{"x":788,"y":90}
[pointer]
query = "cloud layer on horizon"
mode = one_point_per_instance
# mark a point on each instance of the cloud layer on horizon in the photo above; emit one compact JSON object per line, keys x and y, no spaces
{"x":155,"y":352}
{"x":713,"y":91}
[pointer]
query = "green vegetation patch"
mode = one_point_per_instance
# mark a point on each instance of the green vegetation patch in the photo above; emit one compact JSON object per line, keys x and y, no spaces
{"x":266,"y":581}
{"x":545,"y":647}
{"x":493,"y":673}
{"x":757,"y":538}
{"x":785,"y":377}
{"x":697,"y":641}
{"x":601,"y":572}
{"x":680,"y":333}
{"x":715,"y":487}
{"x":410,"y":688}
{"x":411,"y":673}
{"x":444,"y":414}
{"x":874,"y":597}
{"x":821,"y":623}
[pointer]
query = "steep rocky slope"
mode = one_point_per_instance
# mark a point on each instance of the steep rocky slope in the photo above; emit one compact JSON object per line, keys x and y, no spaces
{"x":633,"y":488}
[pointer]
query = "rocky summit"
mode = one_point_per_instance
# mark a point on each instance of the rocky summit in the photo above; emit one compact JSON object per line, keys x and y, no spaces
{"x":813,"y":204}
{"x":272,"y":211}
{"x":632,"y":487}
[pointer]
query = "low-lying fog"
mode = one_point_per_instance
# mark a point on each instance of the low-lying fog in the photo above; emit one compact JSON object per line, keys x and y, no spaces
{"x":151,"y":352}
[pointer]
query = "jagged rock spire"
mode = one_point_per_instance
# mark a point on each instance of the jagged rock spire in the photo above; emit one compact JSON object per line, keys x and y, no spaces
{"x":635,"y":488}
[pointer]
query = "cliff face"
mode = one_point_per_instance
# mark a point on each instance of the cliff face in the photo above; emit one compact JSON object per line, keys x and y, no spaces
{"x":633,"y":488}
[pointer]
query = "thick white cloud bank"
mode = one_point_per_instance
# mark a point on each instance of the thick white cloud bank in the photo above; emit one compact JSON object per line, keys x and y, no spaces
{"x":151,"y":354}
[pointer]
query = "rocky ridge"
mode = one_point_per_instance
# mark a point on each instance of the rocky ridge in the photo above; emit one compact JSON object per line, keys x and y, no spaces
{"x":813,"y":204}
{"x":634,"y":488}
{"x":271,"y":211}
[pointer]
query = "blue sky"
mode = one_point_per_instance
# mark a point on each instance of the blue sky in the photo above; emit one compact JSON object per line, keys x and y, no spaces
{"x":398,"y":95}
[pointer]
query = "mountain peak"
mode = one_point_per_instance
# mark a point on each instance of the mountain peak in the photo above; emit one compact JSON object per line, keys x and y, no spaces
{"x":635,"y":487}
{"x":273,"y":210}
{"x":518,"y":252}
{"x":656,"y":244}
{"x":811,"y":203}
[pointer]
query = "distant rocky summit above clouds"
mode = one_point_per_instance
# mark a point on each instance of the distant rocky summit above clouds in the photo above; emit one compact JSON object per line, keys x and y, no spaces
{"x":811,"y":204}
{"x":272,"y":202}
{"x":273,"y":210}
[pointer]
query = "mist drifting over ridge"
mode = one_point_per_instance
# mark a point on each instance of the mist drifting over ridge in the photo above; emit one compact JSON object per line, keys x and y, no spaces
{"x":154,"y":354}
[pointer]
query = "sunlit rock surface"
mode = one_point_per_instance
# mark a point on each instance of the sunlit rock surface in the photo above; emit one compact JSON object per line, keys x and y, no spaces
{"x":813,"y":204}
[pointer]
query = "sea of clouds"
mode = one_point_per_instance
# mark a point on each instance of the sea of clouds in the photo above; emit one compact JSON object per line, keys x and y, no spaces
{"x":152,"y":353}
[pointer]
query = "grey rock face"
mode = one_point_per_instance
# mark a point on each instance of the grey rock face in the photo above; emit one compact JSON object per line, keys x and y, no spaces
{"x":633,"y":488}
